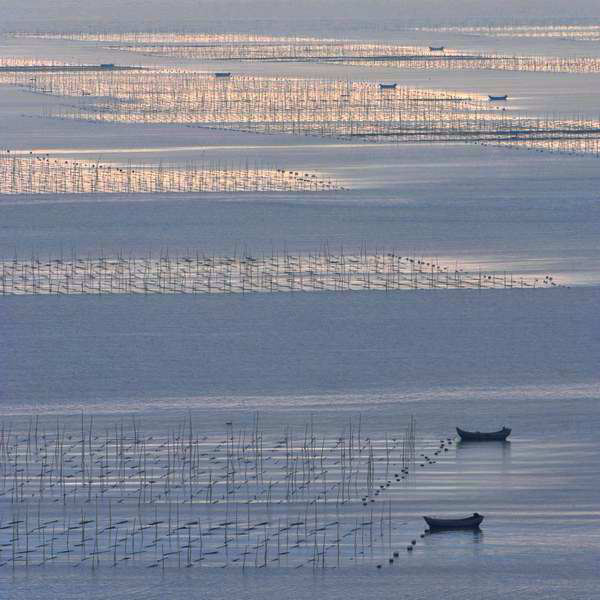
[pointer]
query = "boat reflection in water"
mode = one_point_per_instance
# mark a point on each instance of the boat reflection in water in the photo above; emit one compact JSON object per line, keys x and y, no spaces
{"x":466,"y":536}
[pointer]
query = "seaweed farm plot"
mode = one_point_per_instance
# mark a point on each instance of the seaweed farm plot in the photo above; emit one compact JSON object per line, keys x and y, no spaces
{"x":29,"y":65}
{"x":262,"y":104}
{"x":326,"y":108}
{"x":478,"y":61}
{"x":383,"y":55}
{"x":584,"y":33}
{"x":276,"y":49}
{"x":168,"y":37}
{"x":44,"y":175}
{"x":201,"y":274}
{"x":115,"y":496}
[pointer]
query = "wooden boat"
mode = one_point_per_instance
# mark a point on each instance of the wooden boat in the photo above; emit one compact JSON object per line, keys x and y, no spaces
{"x":388,"y":86}
{"x":498,"y":98}
{"x":479,"y":436}
{"x":436,"y":48}
{"x":472,"y":522}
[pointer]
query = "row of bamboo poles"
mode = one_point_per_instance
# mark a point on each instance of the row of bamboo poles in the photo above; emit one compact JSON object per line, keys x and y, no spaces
{"x":340,"y":109}
{"x":380,"y":55}
{"x":32,"y":174}
{"x":203,"y":274}
{"x":584,"y":33}
{"x":282,"y":48}
{"x":158,"y":37}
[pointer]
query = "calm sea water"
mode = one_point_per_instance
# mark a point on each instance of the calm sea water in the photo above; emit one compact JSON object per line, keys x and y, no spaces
{"x":526,"y":359}
{"x":477,"y":360}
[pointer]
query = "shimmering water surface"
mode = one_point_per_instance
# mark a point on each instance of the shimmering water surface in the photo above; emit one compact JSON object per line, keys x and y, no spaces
{"x":332,"y":359}
{"x":324,"y":363}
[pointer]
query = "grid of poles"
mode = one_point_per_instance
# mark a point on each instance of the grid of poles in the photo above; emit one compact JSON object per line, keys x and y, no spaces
{"x":275,"y":48}
{"x":112,"y":495}
{"x":587,"y":33}
{"x":204,"y":274}
{"x":339,"y":109}
{"x":192,"y":97}
{"x":32,"y":174}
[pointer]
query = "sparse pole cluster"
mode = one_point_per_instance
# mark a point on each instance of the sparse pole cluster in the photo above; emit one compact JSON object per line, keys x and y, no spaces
{"x":78,"y":494}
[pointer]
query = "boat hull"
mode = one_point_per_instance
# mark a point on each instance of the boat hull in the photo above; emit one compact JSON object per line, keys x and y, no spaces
{"x":479,"y":436}
{"x":472,"y":522}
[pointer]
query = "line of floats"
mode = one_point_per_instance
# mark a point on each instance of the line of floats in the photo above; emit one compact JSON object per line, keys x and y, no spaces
{"x":473,"y":521}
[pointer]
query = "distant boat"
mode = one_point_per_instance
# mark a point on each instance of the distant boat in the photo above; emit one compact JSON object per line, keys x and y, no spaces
{"x":471,"y":522}
{"x":222,"y":74}
{"x":478,"y":436}
{"x":436,"y":48}
{"x":107,"y":66}
{"x":388,"y":86}
{"x":498,"y":98}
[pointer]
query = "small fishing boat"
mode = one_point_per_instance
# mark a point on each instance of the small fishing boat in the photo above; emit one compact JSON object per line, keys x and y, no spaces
{"x":388,"y":86}
{"x":436,"y":48}
{"x":471,"y":522}
{"x":479,"y":436}
{"x":498,"y":98}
